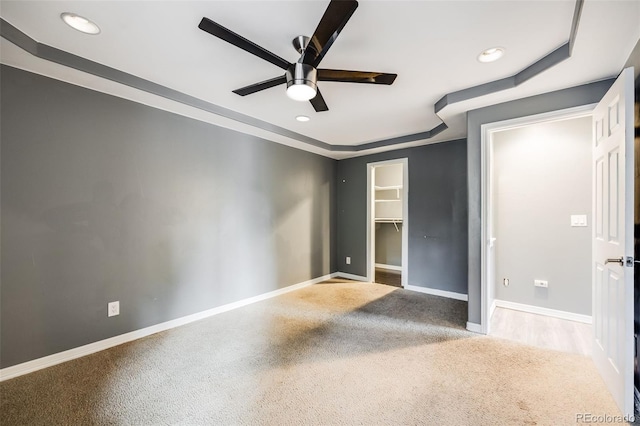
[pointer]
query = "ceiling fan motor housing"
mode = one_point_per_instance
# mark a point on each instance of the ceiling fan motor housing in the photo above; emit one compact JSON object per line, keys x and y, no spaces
{"x":304,"y":74}
{"x":302,"y":77}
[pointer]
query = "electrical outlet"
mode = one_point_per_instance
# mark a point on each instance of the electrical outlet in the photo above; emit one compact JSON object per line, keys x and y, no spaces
{"x":348,"y":260}
{"x":505,"y":281}
{"x":541,"y":283}
{"x":113,"y":309}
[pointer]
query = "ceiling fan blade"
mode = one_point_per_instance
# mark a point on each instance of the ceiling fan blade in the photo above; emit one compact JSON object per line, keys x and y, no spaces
{"x":356,"y":76}
{"x":247,"y":90}
{"x":318,"y":103}
{"x":333,"y":21}
{"x":229,"y":36}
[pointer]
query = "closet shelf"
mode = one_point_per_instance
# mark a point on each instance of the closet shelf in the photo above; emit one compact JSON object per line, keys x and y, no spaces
{"x":388,"y":220}
{"x":387,"y":201}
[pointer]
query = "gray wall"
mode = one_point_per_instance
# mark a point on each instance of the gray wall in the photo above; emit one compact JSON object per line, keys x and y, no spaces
{"x":104,"y":199}
{"x":437,"y":253}
{"x":553,"y":101}
{"x":542,"y":176}
{"x":389,"y":244}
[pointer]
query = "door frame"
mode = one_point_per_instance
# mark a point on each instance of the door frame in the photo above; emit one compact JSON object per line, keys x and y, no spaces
{"x":371,"y":249}
{"x":487,"y":264}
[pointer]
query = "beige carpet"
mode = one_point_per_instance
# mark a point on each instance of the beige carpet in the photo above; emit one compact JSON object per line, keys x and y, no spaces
{"x":335,"y":353}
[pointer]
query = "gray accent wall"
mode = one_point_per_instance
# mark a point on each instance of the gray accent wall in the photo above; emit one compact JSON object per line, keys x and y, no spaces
{"x":553,"y":101}
{"x":104,"y":199}
{"x":437,"y":253}
{"x":542,"y":176}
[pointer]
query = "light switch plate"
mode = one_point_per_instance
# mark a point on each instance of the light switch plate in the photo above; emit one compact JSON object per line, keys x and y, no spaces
{"x":578,"y":220}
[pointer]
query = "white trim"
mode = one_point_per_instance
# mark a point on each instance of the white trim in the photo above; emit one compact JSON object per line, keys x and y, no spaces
{"x":543,"y":311}
{"x":371,"y":250}
{"x":350,"y":276}
{"x":485,"y":157}
{"x":60,"y":357}
{"x":371,"y":247}
{"x":476,"y":328}
{"x":545,"y":117}
{"x":436,"y":292}
{"x":388,"y":267}
{"x":492,"y":309}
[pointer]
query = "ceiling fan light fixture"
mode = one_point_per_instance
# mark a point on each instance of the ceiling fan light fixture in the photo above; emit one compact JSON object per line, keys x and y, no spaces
{"x":492,"y":54}
{"x":301,"y":82}
{"x":80,"y":23}
{"x":301,"y":92}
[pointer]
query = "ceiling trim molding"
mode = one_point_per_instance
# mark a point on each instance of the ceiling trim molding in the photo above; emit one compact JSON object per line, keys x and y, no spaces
{"x":553,"y":58}
{"x":560,"y":54}
{"x":52,"y":54}
{"x":577,"y":12}
{"x":394,"y":141}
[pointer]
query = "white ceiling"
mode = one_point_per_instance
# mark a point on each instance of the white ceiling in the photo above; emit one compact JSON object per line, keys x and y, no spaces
{"x":431,"y":45}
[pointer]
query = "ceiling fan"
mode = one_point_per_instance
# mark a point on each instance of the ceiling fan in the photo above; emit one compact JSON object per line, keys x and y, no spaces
{"x":302,"y":76}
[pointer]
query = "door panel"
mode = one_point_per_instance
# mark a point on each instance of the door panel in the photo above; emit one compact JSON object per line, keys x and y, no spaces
{"x":598,"y":320}
{"x":599,"y":201}
{"x":614,"y":187}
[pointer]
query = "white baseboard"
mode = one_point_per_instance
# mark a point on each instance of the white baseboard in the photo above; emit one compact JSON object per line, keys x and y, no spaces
{"x":68,"y":355}
{"x":389,"y":267}
{"x":436,"y":292}
{"x":492,"y":309}
{"x":543,"y":311}
{"x":476,"y":328}
{"x":349,"y":276}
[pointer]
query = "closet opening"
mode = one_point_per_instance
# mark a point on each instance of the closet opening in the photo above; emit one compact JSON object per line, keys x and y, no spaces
{"x":387,"y":222}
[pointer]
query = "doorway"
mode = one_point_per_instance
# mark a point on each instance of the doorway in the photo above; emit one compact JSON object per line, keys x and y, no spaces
{"x":541,"y":199}
{"x":489,"y":185}
{"x":387,"y":219}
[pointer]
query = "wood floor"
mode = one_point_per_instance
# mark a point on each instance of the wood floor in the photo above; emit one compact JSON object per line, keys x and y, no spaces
{"x":388,"y":277}
{"x":542,"y":331}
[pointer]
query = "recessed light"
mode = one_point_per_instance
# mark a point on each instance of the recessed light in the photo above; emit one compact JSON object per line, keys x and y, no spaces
{"x":302,"y":118}
{"x":80,"y":23}
{"x":491,"y":55}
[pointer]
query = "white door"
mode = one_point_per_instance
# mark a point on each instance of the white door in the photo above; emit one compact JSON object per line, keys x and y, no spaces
{"x":613,"y":240}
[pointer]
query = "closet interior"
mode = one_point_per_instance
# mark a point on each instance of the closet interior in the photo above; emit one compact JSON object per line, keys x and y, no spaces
{"x":388,"y":224}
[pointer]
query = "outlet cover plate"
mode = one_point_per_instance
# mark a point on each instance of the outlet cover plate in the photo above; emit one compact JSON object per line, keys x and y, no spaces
{"x":113,"y":308}
{"x":541,"y":283}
